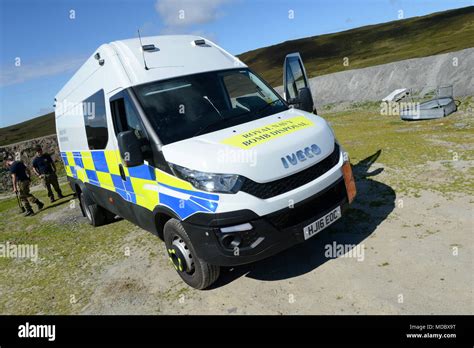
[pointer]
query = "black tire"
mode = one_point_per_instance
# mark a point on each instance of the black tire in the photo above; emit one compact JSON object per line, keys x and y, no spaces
{"x":203,"y":274}
{"x":96,"y":215}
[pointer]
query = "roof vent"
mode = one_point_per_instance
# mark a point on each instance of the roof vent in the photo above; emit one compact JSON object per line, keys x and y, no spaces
{"x":200,"y":42}
{"x":148,"y":48}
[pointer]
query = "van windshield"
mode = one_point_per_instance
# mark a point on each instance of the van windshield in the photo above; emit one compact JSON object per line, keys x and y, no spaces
{"x":191,"y":105}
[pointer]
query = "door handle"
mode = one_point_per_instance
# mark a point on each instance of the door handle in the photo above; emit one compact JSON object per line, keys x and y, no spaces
{"x":122,"y":172}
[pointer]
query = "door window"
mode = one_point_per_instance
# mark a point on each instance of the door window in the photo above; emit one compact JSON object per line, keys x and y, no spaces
{"x":295,"y":78}
{"x":125,"y":115}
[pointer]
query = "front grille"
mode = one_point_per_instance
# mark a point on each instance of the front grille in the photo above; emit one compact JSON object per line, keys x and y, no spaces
{"x":309,"y":208}
{"x":277,"y":187}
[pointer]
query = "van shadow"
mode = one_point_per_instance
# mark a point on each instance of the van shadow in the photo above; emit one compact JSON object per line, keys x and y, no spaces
{"x":58,"y":202}
{"x":374,"y":202}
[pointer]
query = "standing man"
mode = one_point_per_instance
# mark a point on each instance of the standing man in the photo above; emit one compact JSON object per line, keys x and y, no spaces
{"x":44,"y":167}
{"x":21,"y":183}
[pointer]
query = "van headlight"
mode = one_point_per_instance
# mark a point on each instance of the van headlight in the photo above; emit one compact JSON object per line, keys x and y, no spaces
{"x":223,"y":183}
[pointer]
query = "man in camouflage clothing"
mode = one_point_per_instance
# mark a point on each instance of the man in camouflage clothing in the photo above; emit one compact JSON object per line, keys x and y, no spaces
{"x":21,"y":183}
{"x":44,"y":167}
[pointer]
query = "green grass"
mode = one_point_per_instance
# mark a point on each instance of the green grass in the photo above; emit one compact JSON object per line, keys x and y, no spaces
{"x":370,"y":45}
{"x":71,"y":255}
{"x":408,"y":149}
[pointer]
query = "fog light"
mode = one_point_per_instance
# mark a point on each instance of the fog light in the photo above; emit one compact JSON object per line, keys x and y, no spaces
{"x":231,"y":241}
{"x":237,"y":228}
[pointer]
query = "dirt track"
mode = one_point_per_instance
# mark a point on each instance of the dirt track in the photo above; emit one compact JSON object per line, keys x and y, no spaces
{"x":409,"y":267}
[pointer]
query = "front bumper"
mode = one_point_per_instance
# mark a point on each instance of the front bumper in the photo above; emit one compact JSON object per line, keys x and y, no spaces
{"x":271,"y":233}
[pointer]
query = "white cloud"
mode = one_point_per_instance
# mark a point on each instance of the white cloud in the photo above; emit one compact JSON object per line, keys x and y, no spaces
{"x":180,"y":14}
{"x":12,"y":75}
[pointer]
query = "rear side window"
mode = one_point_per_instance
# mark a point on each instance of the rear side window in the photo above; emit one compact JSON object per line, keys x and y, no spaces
{"x":95,"y":121}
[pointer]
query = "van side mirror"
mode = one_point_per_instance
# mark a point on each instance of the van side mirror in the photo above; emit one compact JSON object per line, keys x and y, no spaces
{"x":130,"y":148}
{"x":304,"y":101}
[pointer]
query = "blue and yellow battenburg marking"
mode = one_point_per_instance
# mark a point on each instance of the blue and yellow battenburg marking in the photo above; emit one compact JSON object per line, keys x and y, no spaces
{"x":144,"y":185}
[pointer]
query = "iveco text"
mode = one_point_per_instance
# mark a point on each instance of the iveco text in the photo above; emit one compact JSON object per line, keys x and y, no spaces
{"x":142,"y":129}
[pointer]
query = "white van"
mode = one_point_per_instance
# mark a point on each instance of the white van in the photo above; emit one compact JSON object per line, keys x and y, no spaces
{"x":180,"y":137}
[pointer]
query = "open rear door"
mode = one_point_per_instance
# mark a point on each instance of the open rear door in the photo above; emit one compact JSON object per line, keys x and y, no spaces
{"x":296,"y":84}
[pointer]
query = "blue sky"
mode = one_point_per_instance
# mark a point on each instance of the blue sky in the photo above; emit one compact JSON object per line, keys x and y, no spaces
{"x":51,"y":44}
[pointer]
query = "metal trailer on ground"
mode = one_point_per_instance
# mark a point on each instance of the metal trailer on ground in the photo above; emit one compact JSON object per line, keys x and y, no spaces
{"x":441,"y":106}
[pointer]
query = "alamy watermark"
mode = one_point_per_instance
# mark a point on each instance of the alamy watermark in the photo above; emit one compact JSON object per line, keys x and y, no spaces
{"x":392,"y":108}
{"x":237,"y":156}
{"x":37,"y":331}
{"x":86,"y":109}
{"x":336,"y":250}
{"x":19,"y":251}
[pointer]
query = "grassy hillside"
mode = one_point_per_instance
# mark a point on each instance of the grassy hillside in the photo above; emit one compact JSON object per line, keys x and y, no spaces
{"x":37,"y":127}
{"x":371,"y":45}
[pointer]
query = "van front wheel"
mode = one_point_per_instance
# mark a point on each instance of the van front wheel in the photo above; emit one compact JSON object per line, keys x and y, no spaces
{"x":194,"y":271}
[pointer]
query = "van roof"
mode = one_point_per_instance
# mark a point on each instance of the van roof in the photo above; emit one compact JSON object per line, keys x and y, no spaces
{"x":173,"y":55}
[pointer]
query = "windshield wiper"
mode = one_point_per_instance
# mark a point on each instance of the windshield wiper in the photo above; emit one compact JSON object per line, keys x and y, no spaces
{"x":233,"y":118}
{"x":212,"y":104}
{"x":210,"y":125}
{"x":222,"y":120}
{"x":266,"y":106}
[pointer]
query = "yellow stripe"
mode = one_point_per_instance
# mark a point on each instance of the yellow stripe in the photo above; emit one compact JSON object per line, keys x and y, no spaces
{"x":112,"y":161}
{"x":105,"y":180}
{"x":87,"y":160}
{"x":81,"y":175}
{"x":145,"y":197}
{"x":170,"y":180}
{"x":261,"y":135}
{"x":70,"y":159}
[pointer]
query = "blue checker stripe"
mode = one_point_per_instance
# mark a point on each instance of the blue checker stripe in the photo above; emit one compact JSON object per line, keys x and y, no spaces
{"x":183,"y":210}
{"x":92,"y":176}
{"x":204,"y":195}
{"x":128,"y":186}
{"x":122,"y":193}
{"x":100,"y":163}
{"x":142,"y":172}
{"x":78,"y":159}
{"x":118,"y":182}
{"x":210,"y":205}
{"x":74,"y":172}
{"x":128,"y":196}
{"x":197,"y":201}
{"x":64,"y":157}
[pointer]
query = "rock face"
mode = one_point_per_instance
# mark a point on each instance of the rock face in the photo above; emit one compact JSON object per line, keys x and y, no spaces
{"x":26,"y":151}
{"x":376,"y":82}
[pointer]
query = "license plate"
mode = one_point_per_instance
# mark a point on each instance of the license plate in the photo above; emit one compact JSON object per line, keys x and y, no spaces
{"x":322,"y":223}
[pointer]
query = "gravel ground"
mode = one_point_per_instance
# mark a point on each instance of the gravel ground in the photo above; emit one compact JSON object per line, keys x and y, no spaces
{"x":417,"y":259}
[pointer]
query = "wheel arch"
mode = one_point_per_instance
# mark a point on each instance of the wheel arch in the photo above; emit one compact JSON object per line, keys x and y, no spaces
{"x":162,"y":215}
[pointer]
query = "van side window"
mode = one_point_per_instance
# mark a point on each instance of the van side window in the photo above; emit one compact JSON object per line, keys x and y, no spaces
{"x":125,"y":115}
{"x":95,"y":121}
